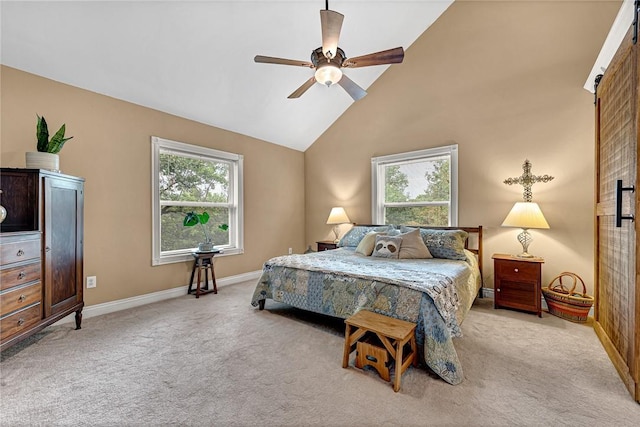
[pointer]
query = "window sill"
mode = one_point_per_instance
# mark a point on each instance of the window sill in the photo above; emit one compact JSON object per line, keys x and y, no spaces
{"x":186,"y":256}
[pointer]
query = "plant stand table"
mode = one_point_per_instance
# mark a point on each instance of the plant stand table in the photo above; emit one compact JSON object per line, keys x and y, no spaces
{"x":202,"y":263}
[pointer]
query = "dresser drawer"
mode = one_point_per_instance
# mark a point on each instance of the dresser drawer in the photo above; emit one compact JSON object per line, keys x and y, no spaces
{"x":19,"y":275}
{"x":517,"y":270}
{"x":20,"y":298}
{"x":16,"y":322}
{"x":21,"y":250}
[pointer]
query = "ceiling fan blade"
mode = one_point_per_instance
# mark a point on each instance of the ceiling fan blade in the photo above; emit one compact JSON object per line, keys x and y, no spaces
{"x":331,"y":24}
{"x":391,"y":56}
{"x":352,"y":88}
{"x":281,"y":61}
{"x":302,"y":89}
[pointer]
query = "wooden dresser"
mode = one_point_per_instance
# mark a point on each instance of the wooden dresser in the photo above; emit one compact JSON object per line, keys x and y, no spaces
{"x":41,"y":253}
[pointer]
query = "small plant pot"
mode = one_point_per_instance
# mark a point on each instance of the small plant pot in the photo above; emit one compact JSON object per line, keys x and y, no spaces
{"x":41,"y":160}
{"x":205,"y":247}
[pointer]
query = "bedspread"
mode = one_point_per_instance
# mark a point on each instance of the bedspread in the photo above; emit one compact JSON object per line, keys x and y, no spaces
{"x":435,"y":294}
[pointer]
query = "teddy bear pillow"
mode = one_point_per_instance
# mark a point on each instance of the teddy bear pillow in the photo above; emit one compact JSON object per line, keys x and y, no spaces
{"x":387,"y":246}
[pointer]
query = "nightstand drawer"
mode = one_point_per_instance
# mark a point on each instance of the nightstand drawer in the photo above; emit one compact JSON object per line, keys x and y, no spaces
{"x":517,"y":270}
{"x":326,"y":246}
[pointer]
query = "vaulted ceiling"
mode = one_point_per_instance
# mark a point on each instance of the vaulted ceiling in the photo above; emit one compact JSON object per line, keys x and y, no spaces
{"x":194,"y":59}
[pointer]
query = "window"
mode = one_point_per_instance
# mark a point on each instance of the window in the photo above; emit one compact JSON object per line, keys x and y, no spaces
{"x":191,"y":178}
{"x":416,"y":188}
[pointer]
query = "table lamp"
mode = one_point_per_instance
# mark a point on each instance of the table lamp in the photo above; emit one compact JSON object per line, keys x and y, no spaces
{"x":525,"y":215}
{"x":336,"y":217}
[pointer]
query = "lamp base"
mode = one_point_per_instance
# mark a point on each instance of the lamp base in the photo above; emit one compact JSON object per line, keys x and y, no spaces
{"x":525,"y":239}
{"x":336,"y":231}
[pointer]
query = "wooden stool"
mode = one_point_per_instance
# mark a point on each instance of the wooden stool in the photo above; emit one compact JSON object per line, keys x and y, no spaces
{"x":203,"y":262}
{"x":392,"y":333}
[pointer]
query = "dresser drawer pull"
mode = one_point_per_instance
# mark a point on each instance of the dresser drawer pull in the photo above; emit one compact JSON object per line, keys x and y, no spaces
{"x":515,"y":269}
{"x":20,"y":321}
{"x":22,"y":275}
{"x":22,"y":298}
{"x":20,"y":252}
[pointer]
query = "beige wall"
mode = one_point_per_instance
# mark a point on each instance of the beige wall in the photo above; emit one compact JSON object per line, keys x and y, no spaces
{"x":503,"y":80}
{"x":111,"y":149}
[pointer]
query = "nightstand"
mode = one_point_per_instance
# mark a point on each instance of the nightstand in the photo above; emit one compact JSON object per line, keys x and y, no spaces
{"x":518,"y":283}
{"x":326,"y":245}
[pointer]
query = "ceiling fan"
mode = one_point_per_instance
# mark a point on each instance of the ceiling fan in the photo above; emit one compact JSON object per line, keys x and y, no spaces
{"x":329,"y":59}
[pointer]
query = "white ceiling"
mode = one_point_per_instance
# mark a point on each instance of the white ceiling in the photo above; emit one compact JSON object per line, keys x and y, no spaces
{"x":194,"y":59}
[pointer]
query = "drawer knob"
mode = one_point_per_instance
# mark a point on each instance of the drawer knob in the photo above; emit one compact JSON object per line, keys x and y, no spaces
{"x":515,"y":269}
{"x":20,"y":252}
{"x":22,"y":298}
{"x":20,"y":321}
{"x":22,"y":275}
{"x":498,"y":290}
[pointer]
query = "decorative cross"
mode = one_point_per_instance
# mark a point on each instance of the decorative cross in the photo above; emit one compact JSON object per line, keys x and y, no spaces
{"x":527,"y":180}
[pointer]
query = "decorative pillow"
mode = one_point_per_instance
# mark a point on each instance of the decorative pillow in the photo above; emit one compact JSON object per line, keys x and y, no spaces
{"x":365,"y":247}
{"x":448,"y":244}
{"x":353,"y":237}
{"x":387,"y":246}
{"x":413,"y":247}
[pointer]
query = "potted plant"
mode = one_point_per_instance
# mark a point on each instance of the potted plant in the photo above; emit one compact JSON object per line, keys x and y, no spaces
{"x":192,"y":219}
{"x":47,"y":155}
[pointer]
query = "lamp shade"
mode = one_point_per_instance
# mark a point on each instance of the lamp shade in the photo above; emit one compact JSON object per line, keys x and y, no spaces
{"x":328,"y":74}
{"x":525,"y":215}
{"x":338,"y":216}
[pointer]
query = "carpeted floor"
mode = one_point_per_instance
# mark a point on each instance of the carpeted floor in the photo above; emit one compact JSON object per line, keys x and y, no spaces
{"x":219,"y":361}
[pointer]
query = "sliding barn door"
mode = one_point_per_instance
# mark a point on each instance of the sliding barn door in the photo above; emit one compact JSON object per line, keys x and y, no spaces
{"x":617,"y":308}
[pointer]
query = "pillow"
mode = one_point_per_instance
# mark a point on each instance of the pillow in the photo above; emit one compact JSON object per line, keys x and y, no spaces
{"x":365,"y":247}
{"x":448,"y":244}
{"x":413,"y":247}
{"x":387,"y":246}
{"x":353,"y":237}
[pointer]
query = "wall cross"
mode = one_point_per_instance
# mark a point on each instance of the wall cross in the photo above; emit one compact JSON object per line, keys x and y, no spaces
{"x":527,"y":180}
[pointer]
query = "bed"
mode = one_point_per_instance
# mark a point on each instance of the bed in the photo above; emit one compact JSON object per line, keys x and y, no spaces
{"x":435,"y":293}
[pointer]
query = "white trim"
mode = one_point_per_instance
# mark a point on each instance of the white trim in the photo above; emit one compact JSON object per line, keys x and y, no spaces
{"x":377,"y":185}
{"x":137,"y":301}
{"x":236,"y":209}
{"x":620,"y":26}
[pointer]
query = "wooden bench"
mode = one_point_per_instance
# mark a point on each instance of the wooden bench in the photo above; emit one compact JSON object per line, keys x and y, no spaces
{"x":394,"y":334}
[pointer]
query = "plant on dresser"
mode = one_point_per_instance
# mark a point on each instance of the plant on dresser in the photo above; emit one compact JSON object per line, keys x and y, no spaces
{"x":41,"y":267}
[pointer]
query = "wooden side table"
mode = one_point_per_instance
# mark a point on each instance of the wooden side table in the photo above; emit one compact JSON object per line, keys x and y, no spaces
{"x":394,"y":334}
{"x":202,"y":263}
{"x":326,"y":245}
{"x":518,"y":283}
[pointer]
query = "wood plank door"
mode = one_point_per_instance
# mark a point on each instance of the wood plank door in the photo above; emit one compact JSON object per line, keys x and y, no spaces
{"x":617,"y":307}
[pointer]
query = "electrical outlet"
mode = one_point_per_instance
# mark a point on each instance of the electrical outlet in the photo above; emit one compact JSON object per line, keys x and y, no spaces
{"x":91,"y":282}
{"x":290,"y":251}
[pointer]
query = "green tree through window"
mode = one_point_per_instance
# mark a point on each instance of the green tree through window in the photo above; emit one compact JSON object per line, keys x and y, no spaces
{"x":189,"y":178}
{"x":417,"y":188}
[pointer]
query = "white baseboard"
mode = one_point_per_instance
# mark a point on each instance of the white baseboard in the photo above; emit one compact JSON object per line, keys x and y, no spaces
{"x":489,"y":293}
{"x":123,"y":304}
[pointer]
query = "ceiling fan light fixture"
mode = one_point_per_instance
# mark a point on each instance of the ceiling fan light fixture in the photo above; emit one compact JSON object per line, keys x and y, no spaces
{"x":328,"y":74}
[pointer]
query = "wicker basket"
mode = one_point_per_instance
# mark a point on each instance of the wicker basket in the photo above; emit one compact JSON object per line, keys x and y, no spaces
{"x":567,"y":303}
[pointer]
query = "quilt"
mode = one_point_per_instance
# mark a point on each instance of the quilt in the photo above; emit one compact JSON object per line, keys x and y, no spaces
{"x":434,"y":293}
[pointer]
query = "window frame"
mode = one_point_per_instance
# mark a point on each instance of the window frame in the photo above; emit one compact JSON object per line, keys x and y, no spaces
{"x":378,"y":165}
{"x":236,"y":216}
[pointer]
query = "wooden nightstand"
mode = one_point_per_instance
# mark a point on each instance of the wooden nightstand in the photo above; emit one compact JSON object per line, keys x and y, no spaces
{"x":326,"y":245}
{"x":518,"y":283}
